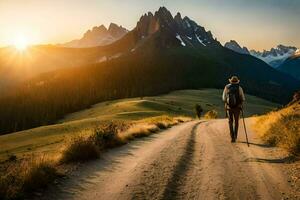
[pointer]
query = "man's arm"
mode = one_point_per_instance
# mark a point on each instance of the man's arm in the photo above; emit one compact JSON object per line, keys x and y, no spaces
{"x":242,"y":95}
{"x":224,"y":94}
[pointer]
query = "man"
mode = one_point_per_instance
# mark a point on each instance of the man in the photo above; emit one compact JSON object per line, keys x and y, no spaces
{"x":233,"y":97}
{"x":199,"y":110}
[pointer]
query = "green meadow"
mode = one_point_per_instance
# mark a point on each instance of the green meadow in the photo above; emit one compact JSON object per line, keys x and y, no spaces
{"x":51,"y":139}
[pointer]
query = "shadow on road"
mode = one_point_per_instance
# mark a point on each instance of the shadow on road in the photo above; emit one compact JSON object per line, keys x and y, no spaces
{"x":182,"y":167}
{"x":257,"y":144}
{"x":286,"y":160}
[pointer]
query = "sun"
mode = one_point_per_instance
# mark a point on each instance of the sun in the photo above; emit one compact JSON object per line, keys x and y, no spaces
{"x":21,"y":42}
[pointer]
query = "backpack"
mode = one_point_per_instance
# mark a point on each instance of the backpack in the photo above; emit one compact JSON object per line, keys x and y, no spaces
{"x":233,"y":95}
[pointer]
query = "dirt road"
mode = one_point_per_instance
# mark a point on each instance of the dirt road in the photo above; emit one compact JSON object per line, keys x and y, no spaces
{"x":194,"y":160}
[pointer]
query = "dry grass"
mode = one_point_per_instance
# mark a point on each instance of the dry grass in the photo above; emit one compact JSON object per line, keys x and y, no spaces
{"x":137,"y":131}
{"x":281,"y":128}
{"x":212,"y":114}
{"x":151,"y":125}
{"x":23,"y":177}
{"x":111,"y":135}
{"x":80,"y":149}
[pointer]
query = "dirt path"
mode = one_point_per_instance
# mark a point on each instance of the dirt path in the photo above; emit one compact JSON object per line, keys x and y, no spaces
{"x":194,"y":160}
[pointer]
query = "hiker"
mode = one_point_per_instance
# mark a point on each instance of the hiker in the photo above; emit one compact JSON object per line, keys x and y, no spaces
{"x":233,"y":97}
{"x":199,"y":110}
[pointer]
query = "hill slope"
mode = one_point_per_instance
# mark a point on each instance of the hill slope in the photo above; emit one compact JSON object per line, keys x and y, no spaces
{"x":282,"y":127}
{"x":51,"y":138}
{"x":291,"y":66}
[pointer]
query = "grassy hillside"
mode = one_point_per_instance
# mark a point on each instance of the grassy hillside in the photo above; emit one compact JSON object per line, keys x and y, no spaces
{"x":180,"y":102}
{"x":49,"y":139}
{"x":281,"y":128}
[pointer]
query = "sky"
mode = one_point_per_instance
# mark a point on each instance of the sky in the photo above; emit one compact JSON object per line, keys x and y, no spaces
{"x":257,"y":24}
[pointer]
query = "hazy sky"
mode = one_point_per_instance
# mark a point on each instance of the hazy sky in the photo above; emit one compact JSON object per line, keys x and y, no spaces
{"x":258,"y":24}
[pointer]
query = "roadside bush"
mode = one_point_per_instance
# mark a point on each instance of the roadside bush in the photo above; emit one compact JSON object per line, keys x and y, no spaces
{"x":80,"y":149}
{"x":162,"y":125}
{"x":85,"y":148}
{"x":107,"y":136}
{"x":212,"y":114}
{"x":137,"y":131}
{"x":23,"y":177}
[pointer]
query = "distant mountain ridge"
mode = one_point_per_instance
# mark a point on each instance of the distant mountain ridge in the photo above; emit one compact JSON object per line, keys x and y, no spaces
{"x":98,"y":36}
{"x":233,"y":45}
{"x":274,"y":57}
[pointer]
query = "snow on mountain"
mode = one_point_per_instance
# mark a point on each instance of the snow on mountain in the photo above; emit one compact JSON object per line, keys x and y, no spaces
{"x":98,"y":36}
{"x":275,"y":56}
{"x":200,"y":40}
{"x":179,"y":38}
{"x":234,"y":46}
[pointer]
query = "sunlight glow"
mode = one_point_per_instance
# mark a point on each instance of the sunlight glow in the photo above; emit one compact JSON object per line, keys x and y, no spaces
{"x":21,"y":42}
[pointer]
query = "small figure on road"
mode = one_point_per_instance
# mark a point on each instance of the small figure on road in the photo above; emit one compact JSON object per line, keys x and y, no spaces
{"x":199,"y":110}
{"x":233,"y":97}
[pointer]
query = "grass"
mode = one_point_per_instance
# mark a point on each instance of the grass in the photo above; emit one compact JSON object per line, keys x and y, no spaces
{"x":106,"y":136}
{"x":21,"y":178}
{"x":79,"y":149}
{"x":49,"y":139}
{"x":281,"y":128}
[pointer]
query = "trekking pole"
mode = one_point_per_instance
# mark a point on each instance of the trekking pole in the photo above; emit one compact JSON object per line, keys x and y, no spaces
{"x":245,"y":126}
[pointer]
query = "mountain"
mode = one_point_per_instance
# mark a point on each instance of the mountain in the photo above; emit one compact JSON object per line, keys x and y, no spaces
{"x":161,"y":54}
{"x":291,"y":65}
{"x":275,"y":56}
{"x":98,"y":36}
{"x":234,"y":46}
{"x":16,"y":66}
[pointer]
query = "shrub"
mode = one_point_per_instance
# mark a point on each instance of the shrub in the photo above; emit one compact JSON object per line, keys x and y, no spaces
{"x":21,"y":178}
{"x":212,"y":114}
{"x":84,"y":148}
{"x":38,"y":174}
{"x":162,"y":125}
{"x":137,"y":131}
{"x":80,"y":149}
{"x":107,"y":135}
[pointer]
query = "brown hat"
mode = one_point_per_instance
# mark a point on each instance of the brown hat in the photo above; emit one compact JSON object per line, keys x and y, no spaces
{"x":234,"y":79}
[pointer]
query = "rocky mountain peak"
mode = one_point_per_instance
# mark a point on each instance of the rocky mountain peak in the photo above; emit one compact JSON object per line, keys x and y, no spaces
{"x":98,"y":36}
{"x":163,"y":12}
{"x":116,"y":31}
{"x":96,"y":30}
{"x":178,"y":17}
{"x":234,"y":46}
{"x":187,"y":32}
